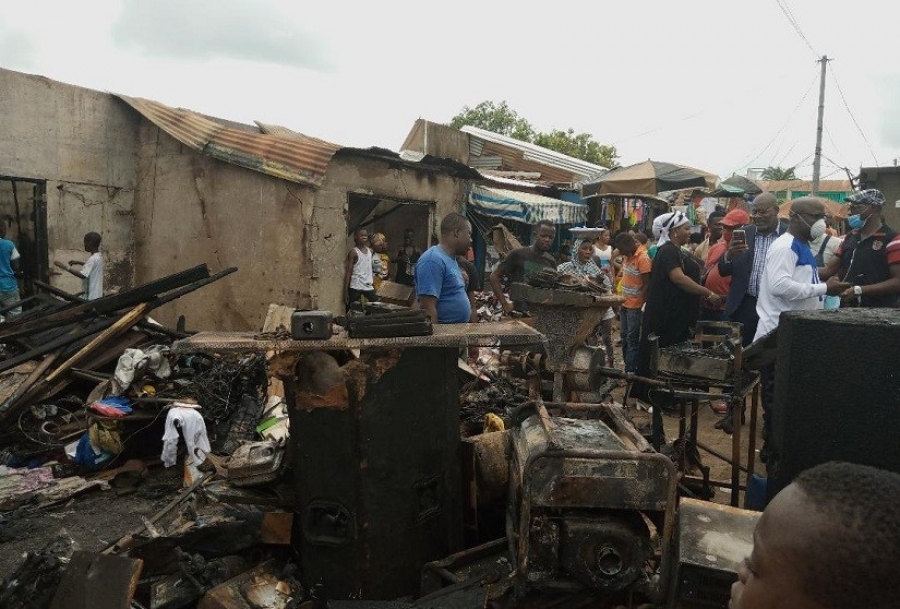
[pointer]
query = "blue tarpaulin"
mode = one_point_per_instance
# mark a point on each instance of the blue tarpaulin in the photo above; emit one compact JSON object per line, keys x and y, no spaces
{"x":525,"y":207}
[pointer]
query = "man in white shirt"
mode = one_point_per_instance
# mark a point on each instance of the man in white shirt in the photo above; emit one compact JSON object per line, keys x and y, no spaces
{"x":790,"y":282}
{"x":91,"y":273}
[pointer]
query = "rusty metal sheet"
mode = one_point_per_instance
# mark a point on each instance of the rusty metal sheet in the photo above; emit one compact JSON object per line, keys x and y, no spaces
{"x":502,"y":334}
{"x":713,"y":535}
{"x":297,"y":159}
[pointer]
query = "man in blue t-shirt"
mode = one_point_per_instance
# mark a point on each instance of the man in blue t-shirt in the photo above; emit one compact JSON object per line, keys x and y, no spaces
{"x":9,"y":264}
{"x":440,"y":287}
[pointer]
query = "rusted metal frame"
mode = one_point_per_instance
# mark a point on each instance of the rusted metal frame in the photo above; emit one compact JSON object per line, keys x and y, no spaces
{"x":751,"y":444}
{"x":719,"y":455}
{"x":716,"y":483}
{"x":738,"y":400}
{"x":619,"y":423}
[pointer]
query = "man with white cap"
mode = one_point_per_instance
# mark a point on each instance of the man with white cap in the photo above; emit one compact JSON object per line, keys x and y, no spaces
{"x":869,"y":257}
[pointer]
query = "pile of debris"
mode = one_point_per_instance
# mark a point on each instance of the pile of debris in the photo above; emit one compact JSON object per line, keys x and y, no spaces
{"x":92,"y":397}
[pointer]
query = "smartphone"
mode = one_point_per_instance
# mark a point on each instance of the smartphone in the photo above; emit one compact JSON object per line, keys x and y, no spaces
{"x":739,"y":236}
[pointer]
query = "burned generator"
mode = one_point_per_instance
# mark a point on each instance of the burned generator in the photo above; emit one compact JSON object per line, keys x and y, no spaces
{"x":591,"y":504}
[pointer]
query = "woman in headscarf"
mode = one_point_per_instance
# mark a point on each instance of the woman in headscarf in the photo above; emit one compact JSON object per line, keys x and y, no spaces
{"x":583,"y":266}
{"x":675,"y":291}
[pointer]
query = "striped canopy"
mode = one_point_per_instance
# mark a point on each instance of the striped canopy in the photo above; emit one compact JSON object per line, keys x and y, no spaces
{"x":525,"y":207}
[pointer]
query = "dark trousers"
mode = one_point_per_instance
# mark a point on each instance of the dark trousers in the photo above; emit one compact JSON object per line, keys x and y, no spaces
{"x":357,"y":295}
{"x":630,"y":326}
{"x":746,"y":314}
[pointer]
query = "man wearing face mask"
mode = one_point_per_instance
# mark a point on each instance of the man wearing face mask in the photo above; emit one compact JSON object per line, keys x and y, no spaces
{"x":790,"y":282}
{"x":869,"y":257}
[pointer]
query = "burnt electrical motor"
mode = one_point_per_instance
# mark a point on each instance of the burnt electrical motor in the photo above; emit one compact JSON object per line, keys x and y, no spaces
{"x":590,"y":505}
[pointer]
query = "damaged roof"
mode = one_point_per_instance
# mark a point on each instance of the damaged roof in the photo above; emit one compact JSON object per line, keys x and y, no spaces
{"x":289,"y":156}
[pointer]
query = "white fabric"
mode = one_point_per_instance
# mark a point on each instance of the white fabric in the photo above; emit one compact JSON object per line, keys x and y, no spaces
{"x":603,"y":256}
{"x":15,"y":254}
{"x":92,"y":284}
{"x":194,"y":430}
{"x":361,"y":276}
{"x":667,"y":222}
{"x":785,"y":286}
{"x":830,"y":247}
{"x":131,"y":361}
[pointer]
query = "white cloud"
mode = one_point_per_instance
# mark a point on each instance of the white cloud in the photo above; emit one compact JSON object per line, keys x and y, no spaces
{"x":209,"y":29}
{"x":17,"y":49}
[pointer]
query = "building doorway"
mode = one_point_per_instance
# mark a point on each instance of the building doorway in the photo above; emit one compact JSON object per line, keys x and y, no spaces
{"x":23,"y":208}
{"x":392,"y":218}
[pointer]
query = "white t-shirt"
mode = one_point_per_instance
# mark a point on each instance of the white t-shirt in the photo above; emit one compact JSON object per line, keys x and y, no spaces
{"x":790,"y":282}
{"x":92,"y":284}
{"x":361,"y":277}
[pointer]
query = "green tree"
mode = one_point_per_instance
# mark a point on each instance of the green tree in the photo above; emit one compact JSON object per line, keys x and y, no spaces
{"x":779,"y":173}
{"x":581,"y":146}
{"x":497,"y":118}
{"x":500,"y":118}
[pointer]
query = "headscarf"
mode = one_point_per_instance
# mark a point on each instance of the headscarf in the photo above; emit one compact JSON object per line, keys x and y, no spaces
{"x":667,"y":222}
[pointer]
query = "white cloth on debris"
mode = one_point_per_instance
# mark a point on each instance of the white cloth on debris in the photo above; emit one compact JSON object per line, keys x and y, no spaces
{"x":194,"y":430}
{"x":152,"y":359}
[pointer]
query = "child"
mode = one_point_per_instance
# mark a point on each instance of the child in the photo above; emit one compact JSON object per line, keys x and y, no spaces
{"x":91,"y":273}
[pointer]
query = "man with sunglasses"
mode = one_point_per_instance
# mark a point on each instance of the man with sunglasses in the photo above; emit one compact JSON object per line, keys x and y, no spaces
{"x":869,"y":257}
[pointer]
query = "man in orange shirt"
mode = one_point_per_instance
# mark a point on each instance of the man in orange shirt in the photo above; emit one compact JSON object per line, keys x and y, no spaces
{"x":635,"y":279}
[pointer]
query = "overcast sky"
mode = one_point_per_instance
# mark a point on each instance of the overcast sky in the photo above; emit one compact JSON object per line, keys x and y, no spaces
{"x":718,"y":85}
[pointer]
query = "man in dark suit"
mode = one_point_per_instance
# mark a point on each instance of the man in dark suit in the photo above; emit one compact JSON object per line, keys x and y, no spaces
{"x":745,"y":260}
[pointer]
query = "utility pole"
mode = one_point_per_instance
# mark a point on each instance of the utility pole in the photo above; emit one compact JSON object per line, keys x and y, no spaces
{"x":817,"y":159}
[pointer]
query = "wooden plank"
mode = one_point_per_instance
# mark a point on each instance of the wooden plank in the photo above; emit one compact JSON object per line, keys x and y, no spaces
{"x":124,"y":323}
{"x":98,"y":581}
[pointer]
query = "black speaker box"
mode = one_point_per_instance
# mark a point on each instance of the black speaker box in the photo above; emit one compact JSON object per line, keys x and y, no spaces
{"x":837,"y":391}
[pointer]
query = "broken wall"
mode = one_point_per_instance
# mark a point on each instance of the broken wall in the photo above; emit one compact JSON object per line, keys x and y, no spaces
{"x":192,"y":209}
{"x":358,"y":174}
{"x":81,"y":142}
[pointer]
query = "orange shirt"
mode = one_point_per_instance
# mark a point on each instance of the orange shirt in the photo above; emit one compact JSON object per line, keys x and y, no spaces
{"x":633,"y":270}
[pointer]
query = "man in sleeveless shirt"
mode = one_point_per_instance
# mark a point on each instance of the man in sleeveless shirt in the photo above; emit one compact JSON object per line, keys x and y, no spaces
{"x":358,"y":276}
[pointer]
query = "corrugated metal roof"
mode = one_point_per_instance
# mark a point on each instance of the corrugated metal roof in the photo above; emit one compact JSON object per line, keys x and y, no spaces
{"x":530,"y":152}
{"x":805,"y":185}
{"x":487,"y":161}
{"x":297,"y":158}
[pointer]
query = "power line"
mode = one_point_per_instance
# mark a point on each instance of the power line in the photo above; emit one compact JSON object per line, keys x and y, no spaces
{"x":782,"y":4}
{"x":831,"y":139}
{"x":788,"y":122}
{"x":853,"y":118}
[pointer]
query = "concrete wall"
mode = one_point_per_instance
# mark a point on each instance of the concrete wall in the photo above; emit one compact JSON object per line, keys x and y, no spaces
{"x":82,"y":143}
{"x":438,"y":140}
{"x":328,"y":226}
{"x":288,"y":241}
{"x":192,"y":209}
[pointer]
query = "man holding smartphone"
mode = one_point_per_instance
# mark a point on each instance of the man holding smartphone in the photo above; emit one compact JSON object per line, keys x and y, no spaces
{"x":745,"y":260}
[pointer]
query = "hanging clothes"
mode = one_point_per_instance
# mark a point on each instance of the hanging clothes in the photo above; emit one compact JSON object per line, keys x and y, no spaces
{"x":194,"y":431}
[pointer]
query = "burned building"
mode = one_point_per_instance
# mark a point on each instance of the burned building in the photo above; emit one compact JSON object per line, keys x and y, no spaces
{"x":169,"y":188}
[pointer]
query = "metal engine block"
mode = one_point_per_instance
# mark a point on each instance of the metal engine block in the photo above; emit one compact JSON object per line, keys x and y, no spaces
{"x":590,"y":505}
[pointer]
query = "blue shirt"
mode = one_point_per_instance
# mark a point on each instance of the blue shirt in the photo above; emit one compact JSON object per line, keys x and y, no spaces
{"x":438,"y":275}
{"x":8,"y":253}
